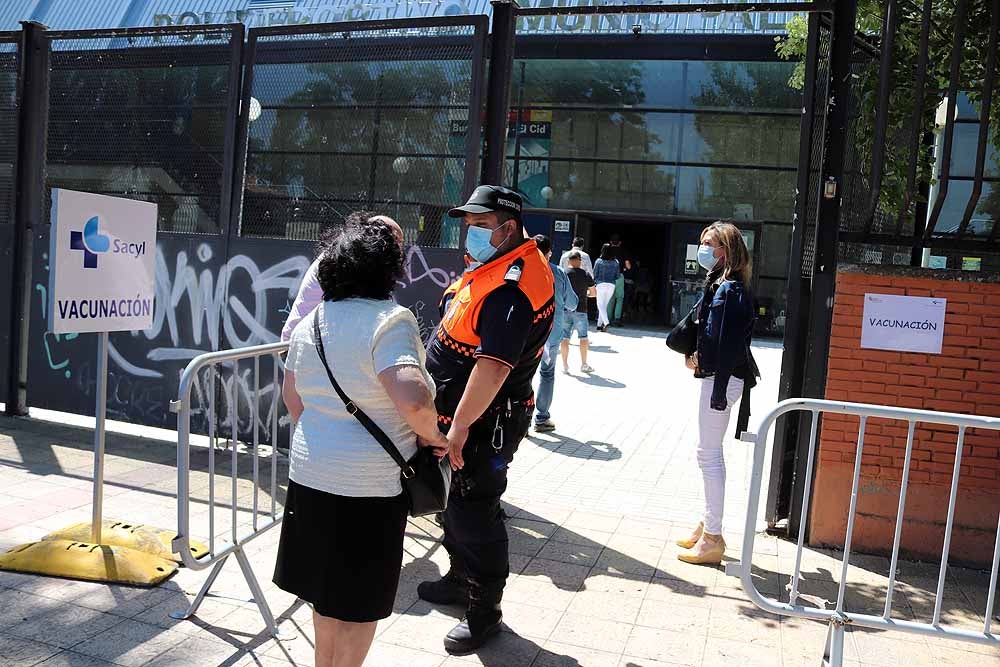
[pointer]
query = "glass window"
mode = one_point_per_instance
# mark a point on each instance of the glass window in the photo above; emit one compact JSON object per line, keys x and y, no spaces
{"x":744,"y":194}
{"x":776,"y":242}
{"x":771,"y":297}
{"x":985,"y":214}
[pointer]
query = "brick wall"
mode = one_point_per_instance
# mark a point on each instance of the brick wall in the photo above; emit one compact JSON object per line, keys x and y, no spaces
{"x":963,"y":378}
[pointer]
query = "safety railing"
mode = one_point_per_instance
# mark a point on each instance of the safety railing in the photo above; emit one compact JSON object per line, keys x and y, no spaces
{"x":840,"y":617}
{"x":194,"y":379}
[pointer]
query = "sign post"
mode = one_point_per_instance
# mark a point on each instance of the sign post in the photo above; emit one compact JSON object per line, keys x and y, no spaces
{"x":102,"y":278}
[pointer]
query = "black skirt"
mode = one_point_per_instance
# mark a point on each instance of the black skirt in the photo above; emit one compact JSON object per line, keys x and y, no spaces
{"x":341,"y":554}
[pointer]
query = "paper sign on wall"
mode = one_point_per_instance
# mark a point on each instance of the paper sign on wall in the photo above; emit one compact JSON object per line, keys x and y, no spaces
{"x":102,"y":253}
{"x":903,"y":323}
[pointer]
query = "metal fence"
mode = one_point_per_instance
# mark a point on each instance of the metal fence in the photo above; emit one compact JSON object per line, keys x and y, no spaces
{"x":207,"y":387}
{"x":841,"y":616}
{"x":146,"y":114}
{"x":377,"y":115}
{"x":9,"y":60}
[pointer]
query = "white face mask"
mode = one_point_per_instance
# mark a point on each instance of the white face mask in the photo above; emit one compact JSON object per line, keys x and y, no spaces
{"x":707,"y":258}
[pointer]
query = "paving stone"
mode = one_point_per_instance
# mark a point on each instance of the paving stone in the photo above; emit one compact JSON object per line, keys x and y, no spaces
{"x":131,"y":643}
{"x":20,"y":652}
{"x":593,"y":633}
{"x":666,"y":646}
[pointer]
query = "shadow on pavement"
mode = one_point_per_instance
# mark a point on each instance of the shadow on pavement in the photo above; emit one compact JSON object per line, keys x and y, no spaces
{"x":561,"y":444}
{"x":596,"y":380}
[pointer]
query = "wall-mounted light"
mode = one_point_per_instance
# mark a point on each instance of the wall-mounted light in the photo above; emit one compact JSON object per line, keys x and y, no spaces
{"x":255,"y":110}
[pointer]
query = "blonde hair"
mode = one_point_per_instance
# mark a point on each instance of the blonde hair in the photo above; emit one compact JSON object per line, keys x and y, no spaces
{"x":738,"y":264}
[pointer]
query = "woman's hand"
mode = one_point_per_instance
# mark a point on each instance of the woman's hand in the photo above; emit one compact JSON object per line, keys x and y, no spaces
{"x":438,"y":444}
{"x":692,"y":362}
{"x":457,"y":435}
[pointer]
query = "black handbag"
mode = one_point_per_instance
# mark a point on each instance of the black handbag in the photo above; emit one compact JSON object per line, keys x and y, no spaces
{"x":426,"y":480}
{"x":683,"y":338}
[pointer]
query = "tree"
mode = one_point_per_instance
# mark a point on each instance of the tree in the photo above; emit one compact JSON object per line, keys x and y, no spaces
{"x":905,"y":57}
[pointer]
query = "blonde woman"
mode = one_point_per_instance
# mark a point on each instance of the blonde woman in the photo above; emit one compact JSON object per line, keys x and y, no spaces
{"x":723,"y":364}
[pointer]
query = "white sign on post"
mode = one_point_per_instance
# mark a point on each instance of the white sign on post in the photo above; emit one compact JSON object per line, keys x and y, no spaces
{"x":903,"y":323}
{"x":102,"y":254}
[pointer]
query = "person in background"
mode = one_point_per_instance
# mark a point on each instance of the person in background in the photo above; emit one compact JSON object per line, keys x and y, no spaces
{"x":310,"y":292}
{"x":585,"y":262}
{"x":618,"y":300}
{"x":583,"y":287}
{"x":606,"y":272}
{"x":341,"y":543}
{"x":565,"y":303}
{"x":723,"y":364}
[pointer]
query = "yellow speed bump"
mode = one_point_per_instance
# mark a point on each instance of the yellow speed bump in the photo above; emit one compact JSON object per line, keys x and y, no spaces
{"x":147,"y":539}
{"x":90,"y":562}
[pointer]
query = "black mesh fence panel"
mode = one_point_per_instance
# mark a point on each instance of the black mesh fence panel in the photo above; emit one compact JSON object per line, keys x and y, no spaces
{"x":143,"y":115}
{"x":8,"y":123}
{"x":367,"y":118}
{"x":820,"y":110}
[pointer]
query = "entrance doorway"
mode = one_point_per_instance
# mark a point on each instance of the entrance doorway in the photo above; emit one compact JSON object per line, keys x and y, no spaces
{"x":645,"y":248}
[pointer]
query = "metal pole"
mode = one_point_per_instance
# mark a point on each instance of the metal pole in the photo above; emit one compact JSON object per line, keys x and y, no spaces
{"x":29,"y":197}
{"x":796,"y":326}
{"x":498,"y":89}
{"x":824,"y":276}
{"x":99,"y":413}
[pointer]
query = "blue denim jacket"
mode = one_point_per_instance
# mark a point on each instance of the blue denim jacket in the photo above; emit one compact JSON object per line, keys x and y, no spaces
{"x":606,"y":271}
{"x":566,"y":300}
{"x":725,"y":326}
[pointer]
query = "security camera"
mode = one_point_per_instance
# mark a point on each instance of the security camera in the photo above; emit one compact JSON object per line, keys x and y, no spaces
{"x":636,"y":28}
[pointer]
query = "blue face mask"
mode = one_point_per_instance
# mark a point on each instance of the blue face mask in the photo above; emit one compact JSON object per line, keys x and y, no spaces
{"x":478,"y":245}
{"x":707,"y":258}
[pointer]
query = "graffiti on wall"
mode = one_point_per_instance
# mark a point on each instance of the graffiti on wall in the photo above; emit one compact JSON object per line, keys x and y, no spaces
{"x":204,"y":302}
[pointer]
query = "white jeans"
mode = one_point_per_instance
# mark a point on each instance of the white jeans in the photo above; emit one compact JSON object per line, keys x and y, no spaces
{"x":604,"y":293}
{"x":712,"y":427}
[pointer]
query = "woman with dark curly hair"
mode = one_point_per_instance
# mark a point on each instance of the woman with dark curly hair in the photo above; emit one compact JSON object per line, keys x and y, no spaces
{"x":341,"y":545}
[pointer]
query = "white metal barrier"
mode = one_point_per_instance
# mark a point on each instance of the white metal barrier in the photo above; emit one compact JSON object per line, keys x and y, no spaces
{"x":839,"y":617}
{"x":219,"y":551}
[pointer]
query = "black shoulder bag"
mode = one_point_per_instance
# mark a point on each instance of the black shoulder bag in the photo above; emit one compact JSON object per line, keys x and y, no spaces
{"x":425,"y":479}
{"x":683,"y":338}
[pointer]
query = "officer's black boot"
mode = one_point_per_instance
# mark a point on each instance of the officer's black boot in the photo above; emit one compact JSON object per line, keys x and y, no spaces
{"x":452,"y":588}
{"x":482,"y":621}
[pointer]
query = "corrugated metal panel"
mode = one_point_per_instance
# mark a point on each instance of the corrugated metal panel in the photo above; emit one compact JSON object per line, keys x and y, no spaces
{"x":14,"y":11}
{"x":68,"y":14}
{"x":73,"y":14}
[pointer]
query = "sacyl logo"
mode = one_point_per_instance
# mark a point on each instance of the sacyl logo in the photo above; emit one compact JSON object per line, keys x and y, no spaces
{"x":91,"y":242}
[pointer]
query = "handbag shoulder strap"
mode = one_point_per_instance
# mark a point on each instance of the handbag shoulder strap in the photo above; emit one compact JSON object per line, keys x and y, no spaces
{"x":352,"y":407}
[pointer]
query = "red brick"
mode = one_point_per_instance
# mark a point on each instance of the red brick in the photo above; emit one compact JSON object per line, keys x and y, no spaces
{"x":947,"y":406}
{"x":956,"y":362}
{"x":919,"y":476}
{"x":951,"y":373}
{"x":921,"y":392}
{"x":936,"y":467}
{"x":959,"y":316}
{"x":980,"y":376}
{"x":915,"y":380}
{"x":960,"y":341}
{"x":943,"y":383}
{"x":949,"y":395}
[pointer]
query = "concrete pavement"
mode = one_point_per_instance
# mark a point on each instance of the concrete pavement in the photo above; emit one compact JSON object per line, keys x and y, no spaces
{"x":594,"y":507}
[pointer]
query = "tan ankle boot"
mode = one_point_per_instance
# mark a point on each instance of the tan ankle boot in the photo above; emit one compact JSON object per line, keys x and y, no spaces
{"x":708,"y":551}
{"x":695,"y":536}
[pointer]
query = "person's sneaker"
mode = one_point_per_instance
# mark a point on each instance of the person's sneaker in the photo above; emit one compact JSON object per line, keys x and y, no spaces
{"x":566,"y":370}
{"x":544,"y":426}
{"x":586,"y":368}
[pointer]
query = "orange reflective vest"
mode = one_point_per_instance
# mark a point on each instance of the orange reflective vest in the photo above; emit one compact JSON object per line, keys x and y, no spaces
{"x":525,"y":266}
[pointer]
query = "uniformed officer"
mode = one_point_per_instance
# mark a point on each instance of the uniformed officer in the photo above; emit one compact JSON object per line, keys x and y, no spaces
{"x":484,"y":354}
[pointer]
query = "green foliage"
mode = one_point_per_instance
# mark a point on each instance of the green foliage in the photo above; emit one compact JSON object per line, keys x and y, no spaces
{"x":903,"y":98}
